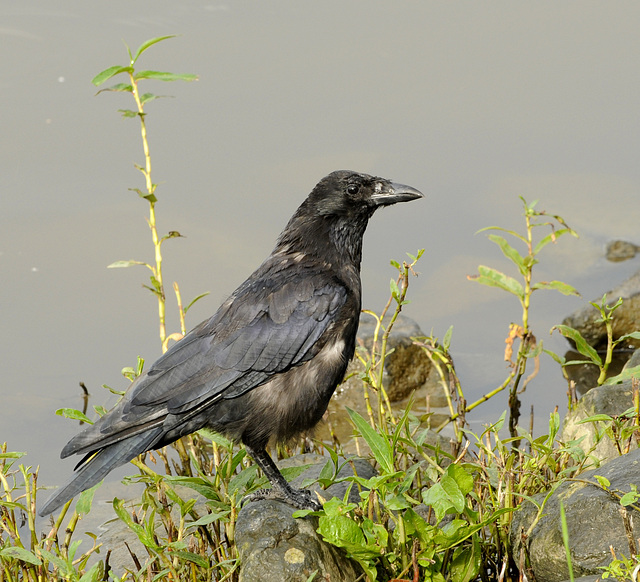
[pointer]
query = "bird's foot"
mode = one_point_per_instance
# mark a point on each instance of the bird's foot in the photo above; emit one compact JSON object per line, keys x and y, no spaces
{"x":298,"y":498}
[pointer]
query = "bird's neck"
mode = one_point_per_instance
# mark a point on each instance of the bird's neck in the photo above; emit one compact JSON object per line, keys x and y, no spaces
{"x":334,"y":239}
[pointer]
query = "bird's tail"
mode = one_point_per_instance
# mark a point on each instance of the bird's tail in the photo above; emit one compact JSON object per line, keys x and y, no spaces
{"x":95,"y":467}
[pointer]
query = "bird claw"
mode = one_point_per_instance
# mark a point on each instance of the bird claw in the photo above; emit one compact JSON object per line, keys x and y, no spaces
{"x":298,"y":498}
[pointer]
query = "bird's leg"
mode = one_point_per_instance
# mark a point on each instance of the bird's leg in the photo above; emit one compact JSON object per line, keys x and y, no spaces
{"x":280,"y":489}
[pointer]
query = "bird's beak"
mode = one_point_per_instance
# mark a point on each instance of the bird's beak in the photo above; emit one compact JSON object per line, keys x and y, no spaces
{"x":389,"y":193}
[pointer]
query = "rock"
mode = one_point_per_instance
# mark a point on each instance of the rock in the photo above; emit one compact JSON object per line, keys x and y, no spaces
{"x":407,"y":368}
{"x":626,"y":317}
{"x":408,"y":373}
{"x":274,"y":546}
{"x":620,"y":250}
{"x":594,"y":520}
{"x":610,"y":399}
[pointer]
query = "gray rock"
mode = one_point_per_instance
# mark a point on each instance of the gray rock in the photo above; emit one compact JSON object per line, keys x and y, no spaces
{"x":275,"y":547}
{"x":408,"y":373}
{"x":610,"y":399}
{"x":407,"y":367}
{"x":626,"y":317}
{"x":594,"y":520}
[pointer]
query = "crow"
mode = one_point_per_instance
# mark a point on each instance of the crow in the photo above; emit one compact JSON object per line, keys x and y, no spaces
{"x":264,"y":367}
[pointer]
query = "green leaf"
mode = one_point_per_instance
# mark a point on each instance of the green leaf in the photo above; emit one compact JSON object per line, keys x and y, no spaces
{"x":438,"y":499}
{"x":632,"y":335}
{"x":552,"y":238}
{"x":12,"y":455}
{"x":20,"y":554}
{"x":466,"y":562}
{"x":146,"y":97}
{"x":123,"y":264}
{"x":73,"y":414}
{"x":581,"y":344}
{"x":95,"y":574}
{"x":511,"y":232}
{"x":604,"y":482}
{"x":629,"y":498}
{"x":210,"y":518}
{"x":128,"y":113}
{"x":57,"y":561}
{"x":463,"y":479}
{"x":556,"y":358}
{"x":493,"y":278}
{"x":563,"y":288}
{"x":455,"y":495}
{"x":446,"y":340}
{"x":216,"y":438}
{"x":508,"y":251}
{"x":625,"y":375}
{"x":110,"y":72}
{"x":85,"y":499}
{"x":191,"y":557}
{"x":120,"y":87}
{"x":145,"y":45}
{"x":194,"y":300}
{"x":202,"y":486}
{"x":139,"y":530}
{"x":378,"y":444}
{"x":596,"y":418}
{"x":164,"y":76}
{"x":395,"y":291}
{"x":241,"y":481}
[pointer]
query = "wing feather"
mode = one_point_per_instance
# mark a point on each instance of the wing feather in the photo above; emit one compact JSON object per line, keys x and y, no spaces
{"x":274,"y":321}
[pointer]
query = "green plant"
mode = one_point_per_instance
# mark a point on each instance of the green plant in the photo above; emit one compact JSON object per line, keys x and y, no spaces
{"x":606,"y":312}
{"x":529,"y":346}
{"x":135,"y":76}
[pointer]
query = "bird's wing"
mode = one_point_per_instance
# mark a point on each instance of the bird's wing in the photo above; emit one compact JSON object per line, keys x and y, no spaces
{"x":267,"y":327}
{"x":273,"y":322}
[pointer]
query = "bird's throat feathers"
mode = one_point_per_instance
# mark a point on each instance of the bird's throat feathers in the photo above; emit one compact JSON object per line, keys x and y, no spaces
{"x":329,"y":235}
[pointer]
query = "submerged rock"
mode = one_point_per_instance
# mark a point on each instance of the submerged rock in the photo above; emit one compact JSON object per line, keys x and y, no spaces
{"x":620,"y":250}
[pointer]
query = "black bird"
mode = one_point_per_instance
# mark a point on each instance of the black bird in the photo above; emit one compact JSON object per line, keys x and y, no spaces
{"x":264,"y":367}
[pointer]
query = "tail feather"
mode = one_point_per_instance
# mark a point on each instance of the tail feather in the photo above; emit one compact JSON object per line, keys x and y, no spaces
{"x":96,"y":468}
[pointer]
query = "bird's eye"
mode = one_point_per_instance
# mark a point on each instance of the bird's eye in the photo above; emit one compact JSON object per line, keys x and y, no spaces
{"x":353,"y":189}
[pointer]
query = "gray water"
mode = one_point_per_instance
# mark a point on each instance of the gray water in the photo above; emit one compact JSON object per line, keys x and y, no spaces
{"x":472,"y":103}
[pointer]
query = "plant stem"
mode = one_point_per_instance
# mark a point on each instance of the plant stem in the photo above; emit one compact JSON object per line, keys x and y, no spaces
{"x":150,"y":197}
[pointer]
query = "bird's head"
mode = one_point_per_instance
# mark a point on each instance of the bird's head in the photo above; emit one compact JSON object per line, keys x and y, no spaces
{"x":349,"y":194}
{"x":336,"y":213}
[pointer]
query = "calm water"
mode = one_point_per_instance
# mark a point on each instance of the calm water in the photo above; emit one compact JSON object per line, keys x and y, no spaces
{"x":472,"y":104}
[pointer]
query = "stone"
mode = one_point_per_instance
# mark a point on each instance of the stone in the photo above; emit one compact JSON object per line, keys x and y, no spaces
{"x":626,"y":317}
{"x":595,"y":521}
{"x":275,"y":547}
{"x":610,"y":399}
{"x":620,"y":250}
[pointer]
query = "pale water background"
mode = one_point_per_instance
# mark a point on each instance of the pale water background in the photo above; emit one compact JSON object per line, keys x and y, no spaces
{"x":472,"y":103}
